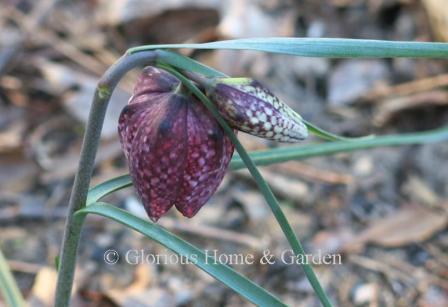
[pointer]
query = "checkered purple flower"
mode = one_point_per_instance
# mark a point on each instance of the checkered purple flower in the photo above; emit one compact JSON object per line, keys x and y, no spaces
{"x":176,"y":150}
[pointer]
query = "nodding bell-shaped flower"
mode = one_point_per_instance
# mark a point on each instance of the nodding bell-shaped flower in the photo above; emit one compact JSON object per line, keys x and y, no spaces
{"x":176,"y":150}
{"x":250,"y":107}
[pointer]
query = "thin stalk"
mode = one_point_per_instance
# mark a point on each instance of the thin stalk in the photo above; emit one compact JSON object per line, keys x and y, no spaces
{"x":8,"y":286}
{"x":89,"y":148}
{"x":263,"y":186}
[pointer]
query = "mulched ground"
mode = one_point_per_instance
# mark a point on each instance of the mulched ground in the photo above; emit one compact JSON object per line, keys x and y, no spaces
{"x":383,"y":211}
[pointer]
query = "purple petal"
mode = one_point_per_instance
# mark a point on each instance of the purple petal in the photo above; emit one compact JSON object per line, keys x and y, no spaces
{"x":208,"y":155}
{"x":134,"y":114}
{"x":157,"y":157}
{"x":154,"y":80}
{"x":176,"y":150}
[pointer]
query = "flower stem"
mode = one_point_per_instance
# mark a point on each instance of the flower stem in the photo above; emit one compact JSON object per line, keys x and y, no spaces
{"x":89,"y":148}
{"x":264,"y":187}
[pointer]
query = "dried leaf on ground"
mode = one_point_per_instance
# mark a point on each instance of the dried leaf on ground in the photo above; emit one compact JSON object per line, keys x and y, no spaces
{"x":119,"y":11}
{"x":390,"y":108}
{"x":411,"y":224}
{"x":438,"y":17}
{"x":17,"y":173}
{"x":351,"y":79}
{"x":78,"y":102}
{"x":44,"y":288}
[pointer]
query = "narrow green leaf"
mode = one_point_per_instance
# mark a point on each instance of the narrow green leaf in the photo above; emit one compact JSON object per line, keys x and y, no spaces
{"x":185,"y":63}
{"x":223,"y":273}
{"x":283,"y":154}
{"x":299,"y":152}
{"x":321,"y":47}
{"x":8,"y":286}
{"x":107,"y":187}
{"x":328,"y":136}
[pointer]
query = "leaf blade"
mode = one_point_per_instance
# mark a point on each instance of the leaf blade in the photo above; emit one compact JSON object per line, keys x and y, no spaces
{"x":185,"y":63}
{"x":223,"y":273}
{"x":107,"y":187}
{"x":283,"y":154}
{"x":328,"y":136}
{"x":321,"y":47}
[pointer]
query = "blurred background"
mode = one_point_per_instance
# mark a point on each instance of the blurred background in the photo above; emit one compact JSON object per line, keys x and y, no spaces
{"x":385,"y":211}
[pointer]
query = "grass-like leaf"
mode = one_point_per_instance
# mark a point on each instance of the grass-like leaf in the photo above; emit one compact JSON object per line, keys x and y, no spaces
{"x":300,"y":152}
{"x":8,"y":286}
{"x":221,"y":272}
{"x":185,"y":63}
{"x":321,"y":47}
{"x":107,"y":187}
{"x":328,"y":136}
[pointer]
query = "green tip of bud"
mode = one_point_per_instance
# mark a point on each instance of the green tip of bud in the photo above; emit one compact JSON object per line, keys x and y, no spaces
{"x":234,"y":81}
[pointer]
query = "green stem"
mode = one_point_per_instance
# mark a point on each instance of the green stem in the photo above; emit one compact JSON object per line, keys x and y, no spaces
{"x":89,"y":148}
{"x":8,"y":286}
{"x":264,"y":187}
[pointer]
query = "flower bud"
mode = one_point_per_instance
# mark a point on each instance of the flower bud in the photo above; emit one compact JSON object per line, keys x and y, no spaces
{"x":176,"y":150}
{"x":250,"y":107}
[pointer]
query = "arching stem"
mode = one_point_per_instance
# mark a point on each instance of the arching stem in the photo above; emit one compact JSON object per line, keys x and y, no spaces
{"x":92,"y":135}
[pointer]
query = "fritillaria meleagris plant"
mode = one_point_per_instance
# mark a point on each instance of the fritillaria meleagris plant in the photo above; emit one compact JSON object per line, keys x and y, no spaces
{"x":177,"y":151}
{"x":165,"y":132}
